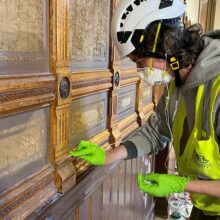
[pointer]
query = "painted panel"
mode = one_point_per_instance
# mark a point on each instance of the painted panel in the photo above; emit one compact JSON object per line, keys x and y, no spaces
{"x":24,"y":145}
{"x":24,"y":36}
{"x":89,"y":27}
{"x":88,"y":117}
{"x":147,"y":94}
{"x":126,"y":101}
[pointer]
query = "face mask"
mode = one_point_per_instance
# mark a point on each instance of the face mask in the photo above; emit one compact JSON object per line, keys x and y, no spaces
{"x":154,"y":76}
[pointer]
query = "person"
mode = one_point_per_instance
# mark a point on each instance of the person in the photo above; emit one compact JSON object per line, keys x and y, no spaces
{"x":187,"y":62}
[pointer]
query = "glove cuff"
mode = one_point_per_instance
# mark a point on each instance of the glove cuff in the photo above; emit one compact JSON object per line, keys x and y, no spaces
{"x":183,"y":183}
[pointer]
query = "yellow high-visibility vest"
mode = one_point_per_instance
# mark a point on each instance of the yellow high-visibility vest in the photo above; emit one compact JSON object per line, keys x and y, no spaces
{"x":201,"y":155}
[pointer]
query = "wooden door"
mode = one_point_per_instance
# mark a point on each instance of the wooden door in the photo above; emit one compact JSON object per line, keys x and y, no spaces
{"x":61,"y":82}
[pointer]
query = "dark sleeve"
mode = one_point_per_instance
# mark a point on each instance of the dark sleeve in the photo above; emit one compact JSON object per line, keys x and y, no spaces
{"x":153,"y":136}
{"x":131,"y":149}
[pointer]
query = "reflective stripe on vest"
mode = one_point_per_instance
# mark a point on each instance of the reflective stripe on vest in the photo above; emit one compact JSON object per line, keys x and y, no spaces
{"x":200,"y":159}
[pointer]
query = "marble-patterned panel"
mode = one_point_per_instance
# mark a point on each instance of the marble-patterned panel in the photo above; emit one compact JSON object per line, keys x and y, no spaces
{"x":89,"y":28}
{"x":126,"y":101}
{"x":88,"y":117}
{"x":24,"y":35}
{"x":24,"y":145}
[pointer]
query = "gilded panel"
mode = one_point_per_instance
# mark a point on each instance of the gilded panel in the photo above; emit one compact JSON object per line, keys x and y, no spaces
{"x":24,"y":144}
{"x":126,"y":101}
{"x":88,"y":117}
{"x":89,"y":26}
{"x":147,"y":94}
{"x":24,"y":35}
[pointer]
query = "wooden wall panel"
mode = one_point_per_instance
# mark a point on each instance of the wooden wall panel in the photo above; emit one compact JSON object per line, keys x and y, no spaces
{"x":107,"y":193}
{"x":24,"y":139}
{"x":21,"y":92}
{"x":24,"y":43}
{"x":89,"y":94}
{"x":27,"y":94}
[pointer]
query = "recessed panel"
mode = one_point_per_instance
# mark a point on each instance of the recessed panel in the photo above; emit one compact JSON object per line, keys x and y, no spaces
{"x":88,"y":117}
{"x":89,"y":27}
{"x":24,"y":38}
{"x":24,"y":145}
{"x":126,"y":101}
{"x":147,"y":94}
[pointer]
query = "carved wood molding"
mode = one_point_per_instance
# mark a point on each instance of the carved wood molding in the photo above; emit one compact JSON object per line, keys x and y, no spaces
{"x":90,"y":82}
{"x":102,"y":139}
{"x":59,"y":38}
{"x":18,"y":200}
{"x":129,"y":77}
{"x":128,"y":125}
{"x":21,"y":93}
{"x":65,"y":175}
{"x":140,"y":88}
{"x":26,"y":91}
{"x":62,"y":120}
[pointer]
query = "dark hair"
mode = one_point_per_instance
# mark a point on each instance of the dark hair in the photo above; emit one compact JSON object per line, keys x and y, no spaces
{"x":184,"y":44}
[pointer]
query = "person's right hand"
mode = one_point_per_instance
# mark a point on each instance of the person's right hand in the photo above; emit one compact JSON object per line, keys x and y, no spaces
{"x":89,"y":152}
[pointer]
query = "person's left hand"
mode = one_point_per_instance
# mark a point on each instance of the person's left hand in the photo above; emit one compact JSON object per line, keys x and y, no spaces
{"x":161,"y":185}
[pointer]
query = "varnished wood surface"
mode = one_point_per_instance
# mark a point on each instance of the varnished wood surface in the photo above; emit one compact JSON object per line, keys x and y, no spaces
{"x":65,"y":187}
{"x":108,"y":192}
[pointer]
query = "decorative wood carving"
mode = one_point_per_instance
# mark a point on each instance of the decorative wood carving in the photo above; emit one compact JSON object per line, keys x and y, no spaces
{"x":39,"y":186}
{"x":65,"y":170}
{"x":140,"y":102}
{"x":59,"y":36}
{"x":65,"y":176}
{"x":18,"y":92}
{"x":115,"y":137}
{"x":62,"y":130}
{"x":128,"y":125}
{"x":129,"y":76}
{"x":116,"y":79}
{"x":64,"y":87}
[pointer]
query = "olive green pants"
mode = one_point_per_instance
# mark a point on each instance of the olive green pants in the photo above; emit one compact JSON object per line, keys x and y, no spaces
{"x":197,"y":214}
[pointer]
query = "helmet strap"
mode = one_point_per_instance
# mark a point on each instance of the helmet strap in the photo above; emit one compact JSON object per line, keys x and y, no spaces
{"x":155,"y":43}
{"x":174,"y":64}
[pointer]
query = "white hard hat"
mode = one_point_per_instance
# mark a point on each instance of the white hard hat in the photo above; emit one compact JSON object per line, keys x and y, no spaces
{"x":131,"y":17}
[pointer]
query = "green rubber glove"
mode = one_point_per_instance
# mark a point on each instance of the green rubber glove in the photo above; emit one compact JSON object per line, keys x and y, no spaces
{"x":89,"y":152}
{"x":161,"y":185}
